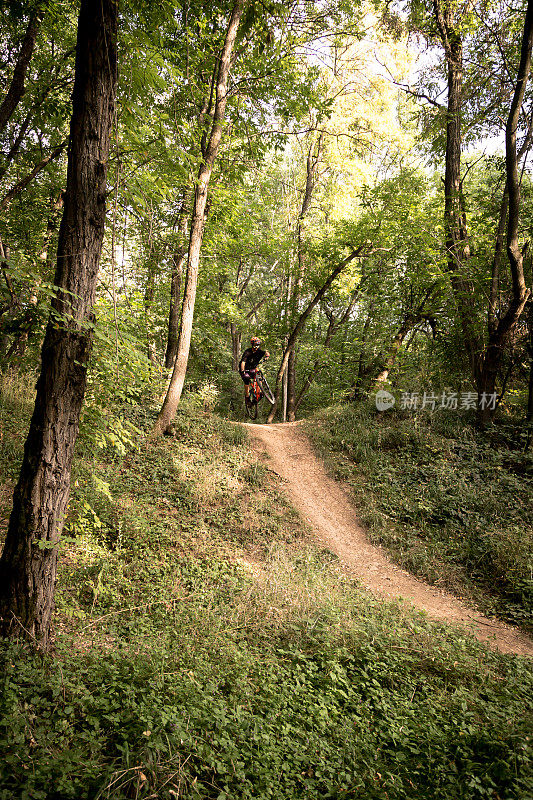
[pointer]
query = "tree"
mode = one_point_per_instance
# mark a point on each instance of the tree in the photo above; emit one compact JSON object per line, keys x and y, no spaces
{"x":304,"y":316}
{"x":449,"y":19}
{"x":210,"y":150}
{"x":500,"y":332}
{"x":453,"y":26}
{"x":311,"y":164}
{"x":38,"y":66}
{"x":16,"y":88}
{"x":178,"y":260}
{"x":29,"y":559}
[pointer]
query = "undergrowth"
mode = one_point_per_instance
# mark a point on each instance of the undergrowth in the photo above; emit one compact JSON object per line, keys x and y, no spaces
{"x":450,"y":503}
{"x":204,"y":648}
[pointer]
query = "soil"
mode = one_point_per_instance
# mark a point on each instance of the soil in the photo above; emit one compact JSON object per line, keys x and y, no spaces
{"x":325,"y":506}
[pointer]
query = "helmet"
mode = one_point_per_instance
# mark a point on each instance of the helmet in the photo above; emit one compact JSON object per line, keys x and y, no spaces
{"x":255,"y":341}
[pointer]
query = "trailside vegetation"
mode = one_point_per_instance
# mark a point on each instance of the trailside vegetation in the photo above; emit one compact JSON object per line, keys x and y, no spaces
{"x":449,"y":503}
{"x":205,"y":646}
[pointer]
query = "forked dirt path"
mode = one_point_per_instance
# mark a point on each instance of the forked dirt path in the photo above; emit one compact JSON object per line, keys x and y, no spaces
{"x":324,"y":505}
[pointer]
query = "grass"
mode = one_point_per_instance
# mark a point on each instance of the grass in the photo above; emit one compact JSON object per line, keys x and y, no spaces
{"x":204,"y":648}
{"x":451,"y":504}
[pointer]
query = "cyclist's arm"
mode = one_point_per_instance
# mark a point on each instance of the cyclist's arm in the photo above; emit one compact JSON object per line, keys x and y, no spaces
{"x":242,"y":366}
{"x":267,"y":355}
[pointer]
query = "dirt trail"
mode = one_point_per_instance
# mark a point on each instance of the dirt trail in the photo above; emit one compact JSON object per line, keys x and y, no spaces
{"x":321,"y":501}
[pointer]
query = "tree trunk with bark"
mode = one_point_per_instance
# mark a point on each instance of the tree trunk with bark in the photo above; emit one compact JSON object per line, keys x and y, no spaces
{"x":170,"y":404}
{"x":29,"y":559}
{"x":313,"y":157}
{"x":455,"y":226}
{"x":486,"y":360}
{"x":304,"y":316}
{"x":178,"y":261}
{"x":500,"y":333}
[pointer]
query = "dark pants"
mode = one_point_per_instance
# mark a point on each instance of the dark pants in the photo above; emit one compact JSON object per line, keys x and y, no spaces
{"x":247,"y":375}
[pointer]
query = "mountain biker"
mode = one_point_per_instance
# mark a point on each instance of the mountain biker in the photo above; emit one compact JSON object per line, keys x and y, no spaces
{"x":249,"y":362}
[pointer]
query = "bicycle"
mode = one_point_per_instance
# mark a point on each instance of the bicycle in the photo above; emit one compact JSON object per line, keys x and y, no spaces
{"x":259,"y":388}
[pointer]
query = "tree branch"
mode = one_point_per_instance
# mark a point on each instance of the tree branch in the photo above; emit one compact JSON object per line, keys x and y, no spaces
{"x":21,"y":185}
{"x":17,"y":88}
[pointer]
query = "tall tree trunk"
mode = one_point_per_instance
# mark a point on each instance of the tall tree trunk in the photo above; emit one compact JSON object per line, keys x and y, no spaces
{"x":457,"y":247}
{"x":29,"y":559}
{"x":178,"y":260}
{"x":499,"y":334}
{"x":313,"y":157}
{"x":170,"y":404}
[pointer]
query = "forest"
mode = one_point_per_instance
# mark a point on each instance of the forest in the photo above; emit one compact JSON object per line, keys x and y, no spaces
{"x":333,"y":599}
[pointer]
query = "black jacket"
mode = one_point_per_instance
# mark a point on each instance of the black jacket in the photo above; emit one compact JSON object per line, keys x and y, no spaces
{"x":251,"y":358}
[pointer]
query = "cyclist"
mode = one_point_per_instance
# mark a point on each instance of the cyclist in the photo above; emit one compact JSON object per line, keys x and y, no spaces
{"x":249,"y":362}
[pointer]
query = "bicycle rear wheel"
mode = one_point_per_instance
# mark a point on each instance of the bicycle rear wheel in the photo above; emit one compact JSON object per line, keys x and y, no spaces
{"x":250,"y":409}
{"x":265,"y":388}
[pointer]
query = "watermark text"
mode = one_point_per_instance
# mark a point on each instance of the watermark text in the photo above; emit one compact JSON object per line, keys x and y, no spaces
{"x":450,"y":401}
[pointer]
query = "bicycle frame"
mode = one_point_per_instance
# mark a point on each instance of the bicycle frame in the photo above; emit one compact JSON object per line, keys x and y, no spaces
{"x":256,"y":389}
{"x":259,"y":388}
{"x":264,"y":388}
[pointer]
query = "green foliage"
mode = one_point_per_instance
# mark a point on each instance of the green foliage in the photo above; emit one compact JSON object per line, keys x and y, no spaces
{"x":16,"y":406}
{"x":304,"y":716}
{"x":204,"y":649}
